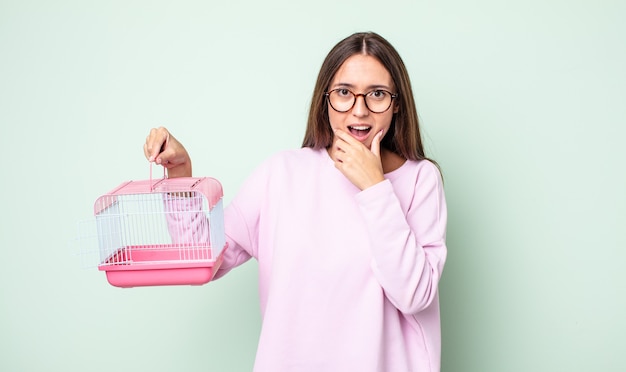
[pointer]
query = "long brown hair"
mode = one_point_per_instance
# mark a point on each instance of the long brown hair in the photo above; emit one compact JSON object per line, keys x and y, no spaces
{"x":403,"y":137}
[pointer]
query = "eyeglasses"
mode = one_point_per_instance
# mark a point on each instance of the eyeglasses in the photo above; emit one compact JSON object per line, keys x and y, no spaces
{"x":343,"y":100}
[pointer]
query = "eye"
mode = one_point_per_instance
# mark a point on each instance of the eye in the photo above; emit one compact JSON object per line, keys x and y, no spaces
{"x":378,"y":94}
{"x":343,"y":92}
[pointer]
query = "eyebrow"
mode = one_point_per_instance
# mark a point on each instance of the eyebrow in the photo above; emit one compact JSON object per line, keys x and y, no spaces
{"x":368,"y":88}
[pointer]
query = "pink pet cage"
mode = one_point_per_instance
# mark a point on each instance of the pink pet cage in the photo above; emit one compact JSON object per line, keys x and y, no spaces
{"x":168,"y":231}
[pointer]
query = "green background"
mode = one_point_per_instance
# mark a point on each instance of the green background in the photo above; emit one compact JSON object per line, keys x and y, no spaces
{"x":523,"y":103}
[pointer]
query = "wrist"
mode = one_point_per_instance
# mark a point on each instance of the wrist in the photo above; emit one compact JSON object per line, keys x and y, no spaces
{"x":181,"y":170}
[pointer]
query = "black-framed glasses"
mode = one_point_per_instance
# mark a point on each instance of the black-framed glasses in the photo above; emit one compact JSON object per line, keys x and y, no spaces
{"x":343,"y":99}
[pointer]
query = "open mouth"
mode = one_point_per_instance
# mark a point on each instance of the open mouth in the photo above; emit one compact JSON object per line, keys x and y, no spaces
{"x":359,"y":131}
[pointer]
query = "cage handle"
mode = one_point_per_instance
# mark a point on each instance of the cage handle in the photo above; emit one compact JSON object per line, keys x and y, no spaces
{"x":151,"y":184}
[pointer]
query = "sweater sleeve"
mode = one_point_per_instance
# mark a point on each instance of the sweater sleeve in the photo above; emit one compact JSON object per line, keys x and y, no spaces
{"x":407,"y":241}
{"x":237,"y":237}
{"x":241,"y":220}
{"x":187,"y":224}
{"x":186,"y":219}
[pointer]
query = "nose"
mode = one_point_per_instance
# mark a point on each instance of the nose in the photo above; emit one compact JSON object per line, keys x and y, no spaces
{"x":360,"y":108}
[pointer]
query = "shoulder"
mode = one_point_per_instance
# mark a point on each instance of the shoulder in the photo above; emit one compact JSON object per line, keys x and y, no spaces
{"x":419,"y":170}
{"x":428,"y":169}
{"x":417,"y":178}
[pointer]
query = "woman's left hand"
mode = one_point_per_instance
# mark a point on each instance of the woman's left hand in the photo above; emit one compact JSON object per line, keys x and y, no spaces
{"x":362,"y":166}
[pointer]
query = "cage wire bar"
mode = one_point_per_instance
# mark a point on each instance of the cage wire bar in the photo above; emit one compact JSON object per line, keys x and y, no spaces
{"x":158,"y":227}
{"x":157,"y":232}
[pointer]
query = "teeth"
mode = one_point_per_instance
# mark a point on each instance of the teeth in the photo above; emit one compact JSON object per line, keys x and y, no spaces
{"x":360,"y":127}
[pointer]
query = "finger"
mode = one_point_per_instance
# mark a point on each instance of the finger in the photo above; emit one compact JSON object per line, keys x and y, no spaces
{"x":146,"y":152}
{"x":375,"y":147}
{"x":168,"y":157}
{"x":156,"y":143}
{"x":344,"y":143}
{"x":162,"y":156}
{"x":345,"y":137}
{"x":150,"y":147}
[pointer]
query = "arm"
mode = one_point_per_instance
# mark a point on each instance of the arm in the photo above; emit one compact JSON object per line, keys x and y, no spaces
{"x":408,"y":242}
{"x":238,"y":238}
{"x":183,"y":219}
{"x":188,"y":225}
{"x":182,"y":212}
{"x":242,"y":218}
{"x":186,"y":220}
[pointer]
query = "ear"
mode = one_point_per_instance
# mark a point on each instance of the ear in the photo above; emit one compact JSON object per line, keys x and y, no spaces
{"x":396,"y":108}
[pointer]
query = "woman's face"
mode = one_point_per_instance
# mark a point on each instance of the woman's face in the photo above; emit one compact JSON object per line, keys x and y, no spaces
{"x":362,"y":74}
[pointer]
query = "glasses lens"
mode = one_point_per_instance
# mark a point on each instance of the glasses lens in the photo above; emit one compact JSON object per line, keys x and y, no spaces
{"x":341,"y":100}
{"x":378,"y":100}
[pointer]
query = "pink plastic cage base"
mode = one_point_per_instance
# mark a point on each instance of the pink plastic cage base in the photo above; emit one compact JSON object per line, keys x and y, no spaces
{"x":158,"y":267}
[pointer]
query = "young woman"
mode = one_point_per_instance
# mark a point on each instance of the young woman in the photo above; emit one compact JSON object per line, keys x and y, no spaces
{"x":349,"y":230}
